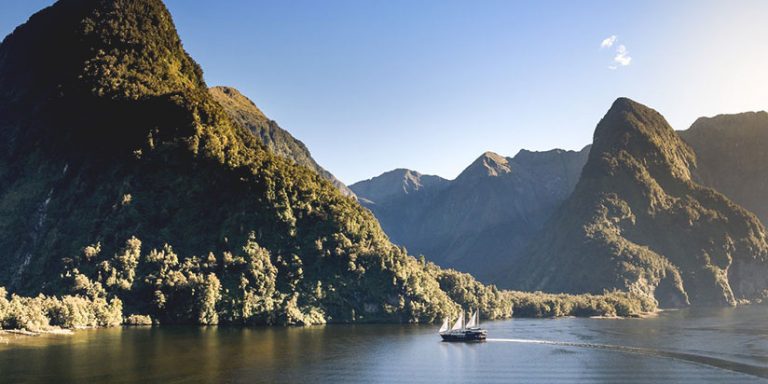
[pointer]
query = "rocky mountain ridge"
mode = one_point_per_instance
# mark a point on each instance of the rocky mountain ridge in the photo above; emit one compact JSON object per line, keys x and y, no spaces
{"x":245,"y":112}
{"x":482,"y":219}
{"x":732,"y":158}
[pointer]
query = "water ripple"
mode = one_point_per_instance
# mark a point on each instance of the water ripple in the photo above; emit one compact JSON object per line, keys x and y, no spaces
{"x":733,"y":366}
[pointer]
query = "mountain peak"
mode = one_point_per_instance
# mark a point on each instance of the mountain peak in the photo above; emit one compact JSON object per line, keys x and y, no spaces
{"x":120,"y":49}
{"x":395,"y":183}
{"x":642,"y":132}
{"x":121,"y":65}
{"x":489,"y":164}
{"x":626,"y":104}
{"x":493,"y":156}
{"x":626,"y":115}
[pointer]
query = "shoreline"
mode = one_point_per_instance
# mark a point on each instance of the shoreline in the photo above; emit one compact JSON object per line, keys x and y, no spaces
{"x":71,"y":331}
{"x":24,"y":332}
{"x":57,"y":331}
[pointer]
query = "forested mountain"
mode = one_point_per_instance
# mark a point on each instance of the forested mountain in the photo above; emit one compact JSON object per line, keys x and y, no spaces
{"x":732,"y":157}
{"x":112,"y":147}
{"x":481,"y":220}
{"x":638,"y":221}
{"x":244,"y":112}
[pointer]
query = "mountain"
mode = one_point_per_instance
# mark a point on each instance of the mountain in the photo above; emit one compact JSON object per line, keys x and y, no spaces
{"x":121,"y":177}
{"x":398,"y":199}
{"x":489,"y":164}
{"x":397,"y":184}
{"x":481,"y":220}
{"x":244,"y":112}
{"x":637,"y":221}
{"x":732,"y":158}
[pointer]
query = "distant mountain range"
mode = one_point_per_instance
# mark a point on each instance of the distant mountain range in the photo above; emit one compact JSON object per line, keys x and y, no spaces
{"x":482,"y":219}
{"x":639,"y":218}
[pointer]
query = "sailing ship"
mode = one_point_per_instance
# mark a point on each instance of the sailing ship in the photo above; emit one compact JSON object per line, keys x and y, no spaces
{"x":469,"y":331}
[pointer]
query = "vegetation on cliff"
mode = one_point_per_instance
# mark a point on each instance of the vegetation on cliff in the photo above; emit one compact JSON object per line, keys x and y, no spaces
{"x":607,"y":304}
{"x":244,"y":112}
{"x":110,"y":134}
{"x":638,"y":222}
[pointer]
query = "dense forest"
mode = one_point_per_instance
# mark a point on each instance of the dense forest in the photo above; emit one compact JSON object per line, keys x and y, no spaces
{"x":110,"y":132}
{"x":156,"y":287}
{"x":136,"y":287}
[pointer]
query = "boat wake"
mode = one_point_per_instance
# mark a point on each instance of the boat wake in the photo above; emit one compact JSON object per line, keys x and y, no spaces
{"x":715,"y":362}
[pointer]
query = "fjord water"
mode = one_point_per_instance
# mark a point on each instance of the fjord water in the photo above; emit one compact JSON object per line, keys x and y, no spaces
{"x":705,"y":345}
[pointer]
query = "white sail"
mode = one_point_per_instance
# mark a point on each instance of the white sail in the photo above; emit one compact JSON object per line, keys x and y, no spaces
{"x":459,"y":324}
{"x":444,"y":327}
{"x":472,"y":320}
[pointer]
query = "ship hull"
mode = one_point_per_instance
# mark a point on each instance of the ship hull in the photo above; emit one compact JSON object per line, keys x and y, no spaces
{"x":467,"y":335}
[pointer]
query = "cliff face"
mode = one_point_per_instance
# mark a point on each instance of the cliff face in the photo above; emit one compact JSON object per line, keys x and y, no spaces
{"x":732,"y":157}
{"x":244,"y":112}
{"x":481,"y":220}
{"x":637,"y":221}
{"x":112,"y":147}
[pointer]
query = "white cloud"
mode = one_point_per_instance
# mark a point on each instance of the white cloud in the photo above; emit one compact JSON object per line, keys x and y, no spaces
{"x":608,"y":41}
{"x":622,"y":56}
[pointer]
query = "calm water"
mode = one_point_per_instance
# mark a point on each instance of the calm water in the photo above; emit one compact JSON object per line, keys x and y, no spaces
{"x":722,"y":345}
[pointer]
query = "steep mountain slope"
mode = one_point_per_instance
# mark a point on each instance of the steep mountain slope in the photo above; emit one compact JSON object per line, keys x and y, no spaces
{"x":482,"y":219}
{"x":108,"y":131}
{"x":244,"y":112}
{"x":732,"y":157}
{"x":636,"y":221}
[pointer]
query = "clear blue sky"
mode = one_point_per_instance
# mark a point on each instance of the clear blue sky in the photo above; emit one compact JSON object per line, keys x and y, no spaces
{"x":372,"y":85}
